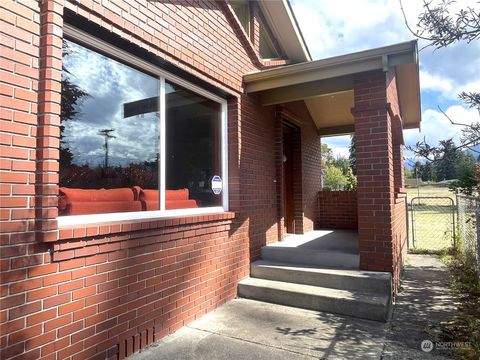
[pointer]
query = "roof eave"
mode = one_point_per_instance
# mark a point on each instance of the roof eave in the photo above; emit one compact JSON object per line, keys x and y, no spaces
{"x":336,"y":66}
{"x":403,"y":56}
{"x":283,"y":24}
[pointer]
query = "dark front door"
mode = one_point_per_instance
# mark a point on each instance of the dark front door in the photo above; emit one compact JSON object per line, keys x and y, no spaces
{"x":288,"y":205}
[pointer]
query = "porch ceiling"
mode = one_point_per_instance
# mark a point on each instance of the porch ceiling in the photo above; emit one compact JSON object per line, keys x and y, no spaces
{"x":326,"y":86}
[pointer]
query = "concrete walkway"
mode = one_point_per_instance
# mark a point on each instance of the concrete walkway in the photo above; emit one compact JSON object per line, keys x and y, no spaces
{"x":424,"y":302}
{"x":251,"y":330}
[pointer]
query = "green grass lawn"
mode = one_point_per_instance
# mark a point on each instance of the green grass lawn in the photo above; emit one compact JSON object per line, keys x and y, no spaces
{"x":432,"y":219}
{"x":429,"y":190}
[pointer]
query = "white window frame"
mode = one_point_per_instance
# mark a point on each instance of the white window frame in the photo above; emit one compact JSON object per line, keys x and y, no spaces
{"x":90,"y":41}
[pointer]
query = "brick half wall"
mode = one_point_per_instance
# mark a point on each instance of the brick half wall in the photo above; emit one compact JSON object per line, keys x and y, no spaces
{"x":106,"y":291}
{"x":337,"y":210}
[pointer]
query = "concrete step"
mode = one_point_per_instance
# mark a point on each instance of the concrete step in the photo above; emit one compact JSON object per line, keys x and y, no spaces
{"x":352,"y":303}
{"x":343,"y":279}
{"x":306,"y":256}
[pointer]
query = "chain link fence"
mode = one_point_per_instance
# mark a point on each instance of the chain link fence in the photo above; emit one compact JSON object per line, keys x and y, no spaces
{"x":432,"y":223}
{"x":468,"y":212}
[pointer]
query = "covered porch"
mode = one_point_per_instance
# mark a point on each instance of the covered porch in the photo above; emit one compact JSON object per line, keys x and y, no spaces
{"x":374,"y":95}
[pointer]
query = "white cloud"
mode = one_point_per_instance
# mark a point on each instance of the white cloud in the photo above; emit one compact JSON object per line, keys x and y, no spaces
{"x":337,"y":27}
{"x":109,"y":85}
{"x":342,"y":26}
{"x":338,"y":144}
{"x":435,"y":126}
{"x":435,"y":82}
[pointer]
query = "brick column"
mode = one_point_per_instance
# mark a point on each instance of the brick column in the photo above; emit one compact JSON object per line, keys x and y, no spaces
{"x":399,"y":226}
{"x":297,"y":181}
{"x":397,"y":131}
{"x":375,"y":174}
{"x":48,"y":131}
{"x":18,"y":129}
{"x":279,"y":174}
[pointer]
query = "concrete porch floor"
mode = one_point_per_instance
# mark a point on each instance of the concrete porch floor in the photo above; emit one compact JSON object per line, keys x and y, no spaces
{"x":330,"y":240}
{"x":322,"y":248}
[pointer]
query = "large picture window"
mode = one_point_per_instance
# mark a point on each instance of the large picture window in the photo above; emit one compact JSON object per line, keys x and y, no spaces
{"x":136,"y":141}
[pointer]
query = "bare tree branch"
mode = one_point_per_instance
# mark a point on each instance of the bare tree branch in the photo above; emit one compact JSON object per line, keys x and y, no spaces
{"x":439,"y":28}
{"x":472,"y":99}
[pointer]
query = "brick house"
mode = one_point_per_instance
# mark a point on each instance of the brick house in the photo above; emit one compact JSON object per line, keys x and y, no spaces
{"x":150,"y":149}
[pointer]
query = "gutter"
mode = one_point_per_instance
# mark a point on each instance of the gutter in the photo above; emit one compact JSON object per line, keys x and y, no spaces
{"x":379,"y":58}
{"x":291,"y":14}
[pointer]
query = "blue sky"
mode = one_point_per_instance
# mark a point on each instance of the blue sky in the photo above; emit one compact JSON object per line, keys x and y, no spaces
{"x":335,"y":27}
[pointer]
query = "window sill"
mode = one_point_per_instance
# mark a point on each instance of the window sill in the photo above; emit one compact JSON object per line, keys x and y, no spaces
{"x":133,"y":216}
{"x":128,"y":222}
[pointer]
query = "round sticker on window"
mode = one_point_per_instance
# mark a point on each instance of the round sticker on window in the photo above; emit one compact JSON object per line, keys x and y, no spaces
{"x":217,"y":185}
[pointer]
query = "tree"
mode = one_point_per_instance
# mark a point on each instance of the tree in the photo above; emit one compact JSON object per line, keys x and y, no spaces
{"x":468,"y":181}
{"x":351,"y":181}
{"x":71,"y":95}
{"x":327,"y":155}
{"x":440,"y":28}
{"x":337,"y":172}
{"x":465,"y":160}
{"x":333,"y":178}
{"x":428,"y":172}
{"x":446,"y":165}
{"x":425,"y":172}
{"x":352,"y":149}
{"x":408,"y":173}
{"x":342,"y":163}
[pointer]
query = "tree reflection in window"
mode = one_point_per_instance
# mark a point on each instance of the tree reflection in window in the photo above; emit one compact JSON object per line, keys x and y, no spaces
{"x":110,"y":139}
{"x":102,"y":146}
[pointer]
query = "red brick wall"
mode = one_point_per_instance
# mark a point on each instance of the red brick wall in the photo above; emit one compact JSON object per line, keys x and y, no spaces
{"x":106,"y":288}
{"x":399,"y":245}
{"x":258,"y":194}
{"x":311,"y":169}
{"x":18,"y":115}
{"x":337,"y":210}
{"x":309,"y":165}
{"x":261,"y":164}
{"x":381,"y":204}
{"x":102,"y":291}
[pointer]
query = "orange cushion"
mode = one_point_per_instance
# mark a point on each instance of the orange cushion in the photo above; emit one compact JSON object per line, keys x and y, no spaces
{"x":152,"y":195}
{"x":150,"y":205}
{"x":180,"y":204}
{"x":180,"y":194}
{"x":87,"y":195}
{"x":149,"y":195}
{"x":102,"y":207}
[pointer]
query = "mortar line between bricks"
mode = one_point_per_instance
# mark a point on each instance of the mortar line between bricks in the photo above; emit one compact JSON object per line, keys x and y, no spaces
{"x":252,"y":342}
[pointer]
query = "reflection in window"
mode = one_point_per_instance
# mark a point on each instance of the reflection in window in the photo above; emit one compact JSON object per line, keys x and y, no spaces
{"x":242,"y":10}
{"x":193,"y":145}
{"x":267,"y":47}
{"x":110,"y":140}
{"x":109,"y":133}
